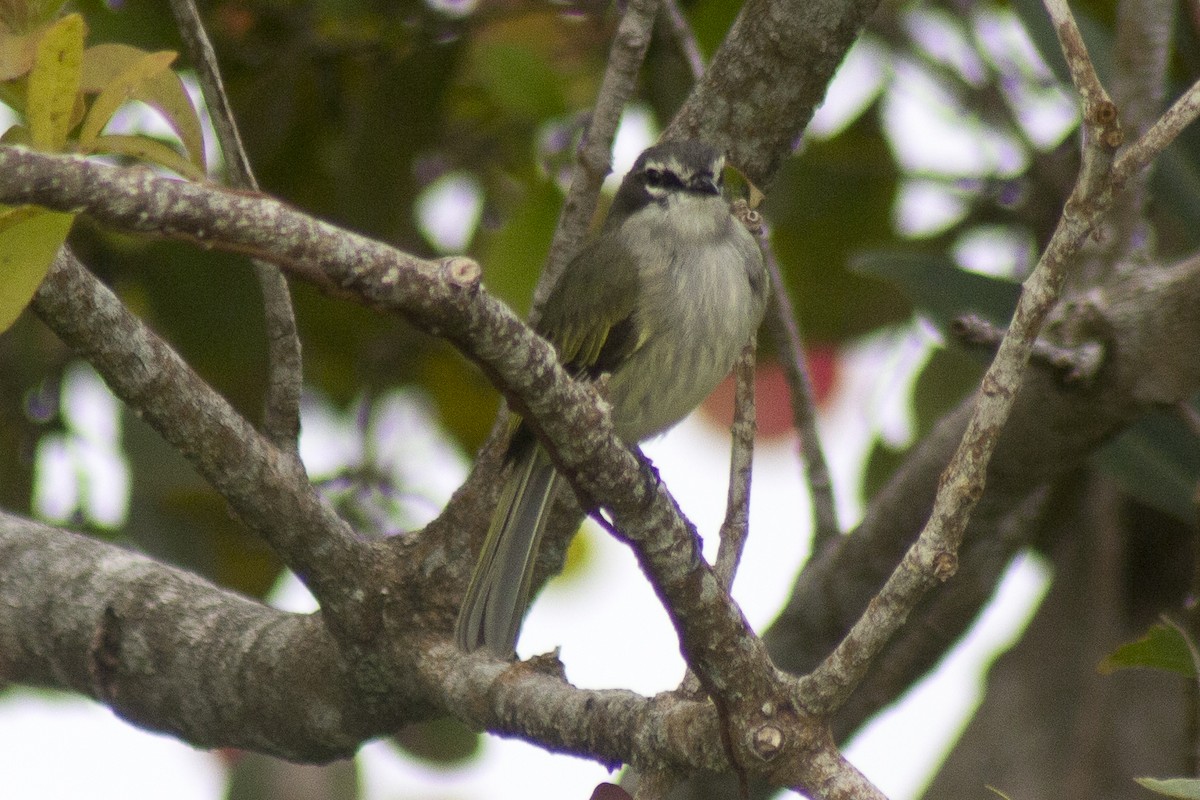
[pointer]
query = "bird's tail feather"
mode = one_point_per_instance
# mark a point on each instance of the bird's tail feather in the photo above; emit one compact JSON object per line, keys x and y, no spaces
{"x":496,"y":598}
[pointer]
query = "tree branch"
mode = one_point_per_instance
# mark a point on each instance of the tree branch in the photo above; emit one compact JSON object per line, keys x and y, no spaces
{"x":595,"y":150}
{"x":933,"y":558}
{"x":736,"y":526}
{"x":285,"y":375}
{"x":781,"y":321}
{"x":443,"y":297}
{"x":760,"y":90}
{"x":266,"y":488}
{"x":168,"y":651}
{"x":685,"y":38}
{"x":1137,"y":156}
{"x":1141,"y":53}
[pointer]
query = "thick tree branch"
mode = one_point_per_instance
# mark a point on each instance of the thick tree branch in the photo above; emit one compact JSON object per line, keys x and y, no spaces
{"x":171,"y":652}
{"x":168,"y":651}
{"x":760,"y":90}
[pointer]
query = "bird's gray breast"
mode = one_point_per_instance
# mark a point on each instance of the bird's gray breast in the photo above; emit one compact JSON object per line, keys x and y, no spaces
{"x":701,"y":296}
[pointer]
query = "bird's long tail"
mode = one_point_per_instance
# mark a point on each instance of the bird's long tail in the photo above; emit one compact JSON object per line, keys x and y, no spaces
{"x":496,"y":598}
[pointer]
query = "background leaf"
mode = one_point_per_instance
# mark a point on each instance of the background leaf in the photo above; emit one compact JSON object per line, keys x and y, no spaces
{"x":121,"y":89}
{"x":1163,"y":647}
{"x":1156,"y":461}
{"x":1185,"y":788}
{"x":54,"y":83}
{"x":29,"y":240}
{"x":17,"y":52}
{"x":938,"y":288}
{"x":162,"y":91}
{"x":144,"y":148}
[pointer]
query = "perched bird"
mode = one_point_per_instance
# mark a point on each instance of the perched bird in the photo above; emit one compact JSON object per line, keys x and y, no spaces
{"x":662,"y":301}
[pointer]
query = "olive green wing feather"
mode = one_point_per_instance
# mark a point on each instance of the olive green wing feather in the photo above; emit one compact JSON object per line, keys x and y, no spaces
{"x":589,"y":316}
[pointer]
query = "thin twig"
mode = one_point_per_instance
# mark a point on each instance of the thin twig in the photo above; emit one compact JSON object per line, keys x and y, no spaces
{"x":1077,"y":365}
{"x":1137,"y":156}
{"x":685,"y":37}
{"x":737,"y":508}
{"x":1141,"y":52}
{"x":781,"y":319}
{"x":1083,"y":72}
{"x":281,"y":412}
{"x":595,"y":150}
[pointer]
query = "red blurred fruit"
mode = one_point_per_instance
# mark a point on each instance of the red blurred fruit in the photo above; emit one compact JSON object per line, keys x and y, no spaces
{"x":772,"y":400}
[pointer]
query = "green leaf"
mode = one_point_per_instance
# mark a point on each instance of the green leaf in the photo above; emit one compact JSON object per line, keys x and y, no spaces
{"x":849,"y":177}
{"x":120,"y":90}
{"x":1186,"y":788}
{"x":1175,"y":182}
{"x":519,"y":79}
{"x":54,"y":83}
{"x":29,"y":240}
{"x":1162,"y":648}
{"x":144,"y":148}
{"x":939,"y":288}
{"x":443,"y":742}
{"x":1155,"y":461}
{"x":514,"y":253}
{"x":162,"y":91}
{"x":17,"y":134}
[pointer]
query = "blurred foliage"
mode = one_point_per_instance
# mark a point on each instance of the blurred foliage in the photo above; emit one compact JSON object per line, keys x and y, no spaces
{"x":442,"y":742}
{"x":65,"y":92}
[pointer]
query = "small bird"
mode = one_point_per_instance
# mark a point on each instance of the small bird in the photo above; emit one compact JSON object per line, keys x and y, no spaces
{"x":662,"y":302}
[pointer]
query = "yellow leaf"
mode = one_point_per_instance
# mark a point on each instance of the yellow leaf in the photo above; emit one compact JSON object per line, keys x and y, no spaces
{"x":30,"y":238}
{"x":119,"y":90}
{"x":144,"y":148}
{"x":23,"y":16}
{"x":16,"y":52}
{"x":164,"y":92}
{"x":54,"y":82}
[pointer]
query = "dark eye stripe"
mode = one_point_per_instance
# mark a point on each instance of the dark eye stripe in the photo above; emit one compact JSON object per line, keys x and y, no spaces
{"x":661,"y":177}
